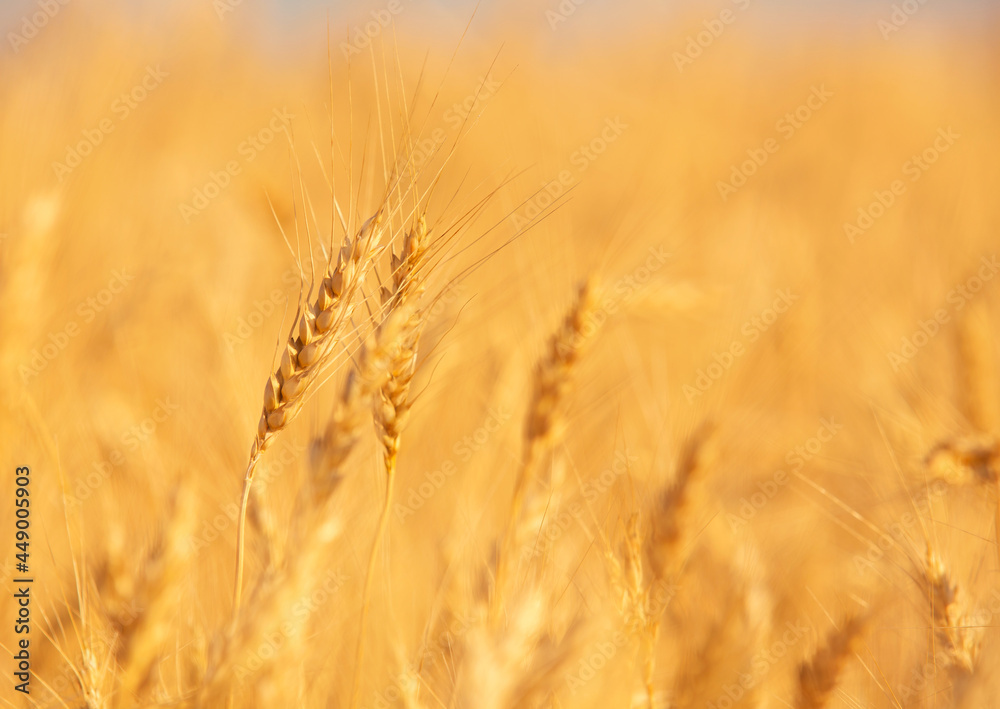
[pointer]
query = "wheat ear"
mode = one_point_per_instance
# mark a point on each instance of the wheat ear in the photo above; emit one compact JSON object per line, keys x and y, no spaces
{"x":314,"y":333}
{"x":960,"y":644}
{"x":818,"y":676}
{"x":662,"y":547}
{"x":552,"y":379}
{"x":670,"y":514}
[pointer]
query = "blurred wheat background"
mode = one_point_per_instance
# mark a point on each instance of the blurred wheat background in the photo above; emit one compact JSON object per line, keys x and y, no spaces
{"x":757,"y":468}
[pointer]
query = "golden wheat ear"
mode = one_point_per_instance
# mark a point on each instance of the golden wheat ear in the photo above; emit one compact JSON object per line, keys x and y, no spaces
{"x":315,"y":333}
{"x":956,"y":640}
{"x":819,"y":675}
{"x":669,"y":516}
{"x":551,"y":383}
{"x":659,"y":545}
{"x":407,"y":286}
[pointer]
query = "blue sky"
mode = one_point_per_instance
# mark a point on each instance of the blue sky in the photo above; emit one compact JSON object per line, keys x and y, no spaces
{"x":299,"y":20}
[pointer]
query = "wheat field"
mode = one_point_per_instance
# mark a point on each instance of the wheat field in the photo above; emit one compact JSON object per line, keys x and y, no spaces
{"x":512,"y":355}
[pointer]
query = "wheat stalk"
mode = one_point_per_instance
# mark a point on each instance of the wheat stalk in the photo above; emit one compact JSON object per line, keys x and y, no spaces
{"x":393,"y":397}
{"x":407,"y":285}
{"x":315,"y":331}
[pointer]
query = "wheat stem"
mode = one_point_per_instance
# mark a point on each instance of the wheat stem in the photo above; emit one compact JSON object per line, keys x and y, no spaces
{"x":383,"y":524}
{"x":315,"y":331}
{"x":241,"y":529}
